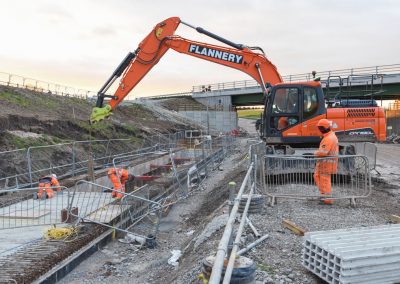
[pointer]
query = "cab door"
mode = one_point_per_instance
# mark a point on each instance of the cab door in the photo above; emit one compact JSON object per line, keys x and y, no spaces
{"x":283,"y":111}
{"x":310,"y":115}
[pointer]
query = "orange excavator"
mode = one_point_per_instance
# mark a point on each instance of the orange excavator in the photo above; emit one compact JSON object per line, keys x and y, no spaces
{"x":292,"y":110}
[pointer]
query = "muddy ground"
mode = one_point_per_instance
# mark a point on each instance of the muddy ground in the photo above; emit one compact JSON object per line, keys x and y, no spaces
{"x":29,"y":118}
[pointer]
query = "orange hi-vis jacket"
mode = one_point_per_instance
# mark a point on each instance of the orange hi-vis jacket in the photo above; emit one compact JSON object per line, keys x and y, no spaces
{"x":47,"y":182}
{"x":329,"y":147}
{"x":118,"y":177}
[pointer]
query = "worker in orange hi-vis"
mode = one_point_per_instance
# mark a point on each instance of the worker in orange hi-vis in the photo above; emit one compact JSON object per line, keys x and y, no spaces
{"x":283,"y":123}
{"x":46,"y":185}
{"x":118,"y":177}
{"x":328,"y":151}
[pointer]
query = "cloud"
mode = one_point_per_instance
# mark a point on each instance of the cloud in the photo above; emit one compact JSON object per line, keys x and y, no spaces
{"x":104,"y":31}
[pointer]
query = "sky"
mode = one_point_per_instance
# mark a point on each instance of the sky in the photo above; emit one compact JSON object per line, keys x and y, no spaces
{"x":80,"y":42}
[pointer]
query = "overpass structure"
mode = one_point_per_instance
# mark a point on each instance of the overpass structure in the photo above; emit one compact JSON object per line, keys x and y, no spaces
{"x":376,"y":82}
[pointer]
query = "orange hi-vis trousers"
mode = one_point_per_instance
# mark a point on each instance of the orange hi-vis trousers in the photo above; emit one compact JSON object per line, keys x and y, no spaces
{"x":45,"y":187}
{"x":118,"y":177}
{"x":118,"y":187}
{"x":323,"y":182}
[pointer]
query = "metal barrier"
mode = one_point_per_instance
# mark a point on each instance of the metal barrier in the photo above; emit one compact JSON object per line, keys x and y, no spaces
{"x":13,"y":80}
{"x":369,"y":150}
{"x":18,"y":208}
{"x":23,"y":167}
{"x":13,"y":169}
{"x":96,"y":205}
{"x":293,"y":177}
{"x":376,"y":70}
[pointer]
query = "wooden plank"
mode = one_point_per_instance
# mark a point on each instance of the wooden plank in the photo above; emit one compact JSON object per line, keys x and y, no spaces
{"x":25,"y":214}
{"x":293,"y":227}
{"x":394,"y":219}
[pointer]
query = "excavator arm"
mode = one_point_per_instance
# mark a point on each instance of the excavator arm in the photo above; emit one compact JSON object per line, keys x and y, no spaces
{"x":137,"y":64}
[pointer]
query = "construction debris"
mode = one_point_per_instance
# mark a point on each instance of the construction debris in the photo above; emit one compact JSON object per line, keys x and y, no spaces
{"x":293,"y":227}
{"x":393,"y":138}
{"x":173,"y":260}
{"x":252,"y":245}
{"x":394,"y":219}
{"x":254,"y":229}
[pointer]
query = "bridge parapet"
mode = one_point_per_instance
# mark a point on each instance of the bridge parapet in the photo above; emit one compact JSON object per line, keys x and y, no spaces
{"x":355,"y":76}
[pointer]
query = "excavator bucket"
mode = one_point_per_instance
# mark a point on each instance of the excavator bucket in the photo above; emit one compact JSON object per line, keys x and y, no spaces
{"x":100,"y":113}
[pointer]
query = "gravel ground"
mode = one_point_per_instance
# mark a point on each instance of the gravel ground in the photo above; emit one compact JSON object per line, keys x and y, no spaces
{"x":278,"y":259}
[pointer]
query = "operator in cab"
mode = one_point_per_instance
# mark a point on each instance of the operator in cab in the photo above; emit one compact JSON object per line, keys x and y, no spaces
{"x":327,"y":159}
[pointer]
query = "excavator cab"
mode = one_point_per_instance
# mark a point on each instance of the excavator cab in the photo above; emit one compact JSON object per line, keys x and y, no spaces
{"x":289,"y":112}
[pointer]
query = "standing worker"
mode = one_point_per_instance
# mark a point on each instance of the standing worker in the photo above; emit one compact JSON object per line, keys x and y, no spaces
{"x":328,"y":151}
{"x":118,"y":177}
{"x":45,"y":186}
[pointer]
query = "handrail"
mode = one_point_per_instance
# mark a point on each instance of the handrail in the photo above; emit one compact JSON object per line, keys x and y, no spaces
{"x":371,"y":70}
{"x":13,"y":80}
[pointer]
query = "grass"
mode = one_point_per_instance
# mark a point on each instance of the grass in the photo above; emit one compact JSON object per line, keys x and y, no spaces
{"x":266,"y":268}
{"x":250,"y":113}
{"x":14,"y":98}
{"x":20,"y":143}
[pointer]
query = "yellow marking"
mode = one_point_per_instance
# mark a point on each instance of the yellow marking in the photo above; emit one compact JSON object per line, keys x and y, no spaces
{"x":158,"y":32}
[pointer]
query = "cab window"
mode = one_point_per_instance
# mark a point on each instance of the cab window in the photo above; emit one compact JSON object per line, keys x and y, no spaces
{"x":285,"y":100}
{"x":310,"y":105}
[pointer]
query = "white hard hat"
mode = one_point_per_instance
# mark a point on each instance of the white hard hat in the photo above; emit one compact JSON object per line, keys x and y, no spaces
{"x":54,"y":175}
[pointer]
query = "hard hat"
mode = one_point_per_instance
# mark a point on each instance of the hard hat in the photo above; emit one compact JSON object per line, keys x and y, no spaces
{"x":324,"y":123}
{"x":54,"y":176}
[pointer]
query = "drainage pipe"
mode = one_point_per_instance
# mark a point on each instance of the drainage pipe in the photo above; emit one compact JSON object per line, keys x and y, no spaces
{"x":229,"y":268}
{"x":223,"y":244}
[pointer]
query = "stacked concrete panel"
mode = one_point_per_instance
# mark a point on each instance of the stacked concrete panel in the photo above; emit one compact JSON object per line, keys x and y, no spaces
{"x":354,"y":255}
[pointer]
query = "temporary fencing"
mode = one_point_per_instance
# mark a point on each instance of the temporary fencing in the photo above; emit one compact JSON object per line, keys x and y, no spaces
{"x":369,"y":150}
{"x":19,"y":208}
{"x":13,"y":169}
{"x":208,"y":158}
{"x":95,"y":204}
{"x":13,"y":80}
{"x":23,"y":167}
{"x":293,"y":177}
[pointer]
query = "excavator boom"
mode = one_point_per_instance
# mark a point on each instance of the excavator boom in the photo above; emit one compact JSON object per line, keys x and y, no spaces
{"x":137,"y":64}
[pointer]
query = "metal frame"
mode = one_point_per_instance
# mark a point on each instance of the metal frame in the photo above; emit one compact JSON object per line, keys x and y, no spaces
{"x":127,"y":207}
{"x":296,"y":170}
{"x":47,"y":211}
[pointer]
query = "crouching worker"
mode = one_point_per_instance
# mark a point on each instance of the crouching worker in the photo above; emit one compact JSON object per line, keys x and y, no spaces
{"x":328,"y":150}
{"x":46,"y":185}
{"x":118,"y":177}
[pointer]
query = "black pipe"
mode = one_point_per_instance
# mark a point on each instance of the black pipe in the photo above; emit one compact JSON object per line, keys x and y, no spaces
{"x":221,"y":39}
{"x":118,"y":72}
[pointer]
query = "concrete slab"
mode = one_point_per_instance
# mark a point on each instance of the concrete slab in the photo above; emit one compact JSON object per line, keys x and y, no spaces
{"x":24,"y":214}
{"x":25,"y":222}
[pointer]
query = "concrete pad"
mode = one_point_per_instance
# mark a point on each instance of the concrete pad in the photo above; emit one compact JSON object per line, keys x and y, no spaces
{"x":25,"y":214}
